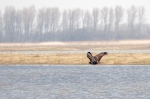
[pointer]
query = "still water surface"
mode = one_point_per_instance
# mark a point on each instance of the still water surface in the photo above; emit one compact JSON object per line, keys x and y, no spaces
{"x":75,"y":82}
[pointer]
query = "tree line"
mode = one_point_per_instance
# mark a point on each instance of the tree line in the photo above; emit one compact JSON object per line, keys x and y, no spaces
{"x":53,"y":24}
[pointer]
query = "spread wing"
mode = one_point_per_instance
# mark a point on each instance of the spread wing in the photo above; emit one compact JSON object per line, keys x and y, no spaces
{"x":100,"y":55}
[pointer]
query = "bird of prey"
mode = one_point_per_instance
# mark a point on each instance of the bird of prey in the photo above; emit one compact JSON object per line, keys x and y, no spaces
{"x":91,"y":58}
{"x":96,"y":59}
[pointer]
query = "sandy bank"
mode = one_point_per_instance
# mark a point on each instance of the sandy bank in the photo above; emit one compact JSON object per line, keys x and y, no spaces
{"x":121,"y":42}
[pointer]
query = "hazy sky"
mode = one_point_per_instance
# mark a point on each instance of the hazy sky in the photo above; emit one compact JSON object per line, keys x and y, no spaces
{"x":83,"y":4}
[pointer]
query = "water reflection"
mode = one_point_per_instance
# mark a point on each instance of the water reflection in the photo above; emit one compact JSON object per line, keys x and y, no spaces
{"x":75,"y":82}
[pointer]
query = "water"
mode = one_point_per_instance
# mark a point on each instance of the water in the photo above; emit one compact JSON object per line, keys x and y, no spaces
{"x":75,"y":82}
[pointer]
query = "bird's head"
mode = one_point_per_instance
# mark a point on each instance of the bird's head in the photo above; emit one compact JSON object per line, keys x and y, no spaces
{"x":89,"y":52}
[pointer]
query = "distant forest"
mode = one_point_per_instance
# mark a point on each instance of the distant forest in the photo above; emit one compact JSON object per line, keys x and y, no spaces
{"x":53,"y":24}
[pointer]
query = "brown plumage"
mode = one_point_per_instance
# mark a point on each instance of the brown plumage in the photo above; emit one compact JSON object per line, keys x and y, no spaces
{"x":93,"y":61}
{"x":99,"y":56}
{"x":96,"y":59}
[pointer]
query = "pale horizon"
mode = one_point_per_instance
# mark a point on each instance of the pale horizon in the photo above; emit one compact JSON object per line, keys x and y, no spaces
{"x":69,"y":4}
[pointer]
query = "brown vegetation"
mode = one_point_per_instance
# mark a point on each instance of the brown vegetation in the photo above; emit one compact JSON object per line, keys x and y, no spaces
{"x":75,"y":59}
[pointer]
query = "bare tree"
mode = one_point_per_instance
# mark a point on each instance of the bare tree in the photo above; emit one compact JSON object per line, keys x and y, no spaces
{"x":111,"y":19}
{"x":40,"y":20}
{"x":47,"y":20}
{"x":9,"y":22}
{"x":28,"y":16}
{"x":19,"y":26}
{"x":55,"y":17}
{"x":65,"y":22}
{"x":83,"y":19}
{"x":87,"y":20}
{"x":132,"y":15}
{"x":72,"y":20}
{"x":104,"y":18}
{"x":141,"y":18}
{"x":118,"y":17}
{"x":78,"y":13}
{"x":1,"y":27}
{"x":96,"y":15}
{"x":40,"y":24}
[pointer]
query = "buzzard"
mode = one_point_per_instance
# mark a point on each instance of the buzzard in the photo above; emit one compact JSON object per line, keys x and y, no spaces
{"x":91,"y":58}
{"x":96,"y":59}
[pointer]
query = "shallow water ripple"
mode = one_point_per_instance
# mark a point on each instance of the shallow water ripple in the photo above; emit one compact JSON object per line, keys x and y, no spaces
{"x":75,"y":82}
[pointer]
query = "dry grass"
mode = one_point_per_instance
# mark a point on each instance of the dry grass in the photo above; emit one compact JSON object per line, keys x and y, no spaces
{"x":76,"y":59}
{"x":126,"y":59}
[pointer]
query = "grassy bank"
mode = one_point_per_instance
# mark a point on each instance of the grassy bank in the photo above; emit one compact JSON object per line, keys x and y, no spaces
{"x":75,"y":59}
